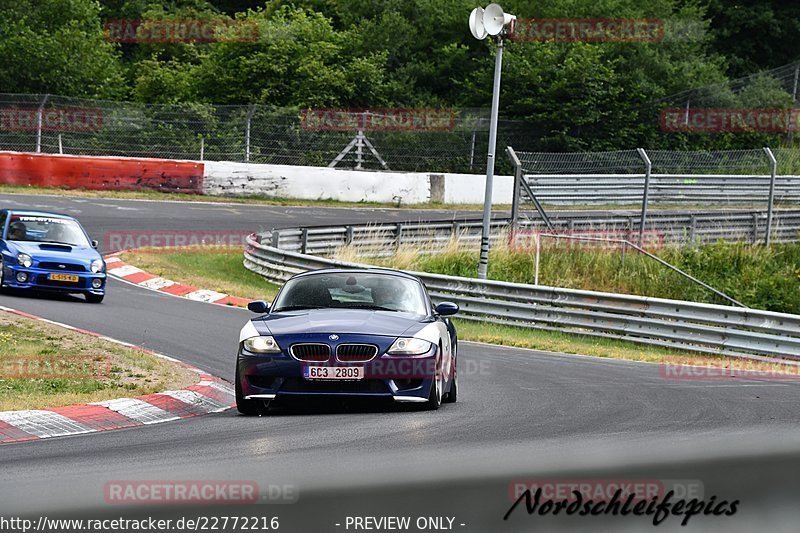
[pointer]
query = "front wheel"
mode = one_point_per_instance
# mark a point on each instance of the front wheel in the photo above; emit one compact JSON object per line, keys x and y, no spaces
{"x":435,"y":397}
{"x":94,"y":298}
{"x":248,"y":407}
{"x":452,"y":394}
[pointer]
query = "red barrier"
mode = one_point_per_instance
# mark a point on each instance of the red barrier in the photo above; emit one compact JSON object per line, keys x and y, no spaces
{"x":100,"y":173}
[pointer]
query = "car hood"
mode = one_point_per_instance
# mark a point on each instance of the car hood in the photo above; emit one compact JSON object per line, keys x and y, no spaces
{"x":56,"y":252}
{"x":355,"y":321}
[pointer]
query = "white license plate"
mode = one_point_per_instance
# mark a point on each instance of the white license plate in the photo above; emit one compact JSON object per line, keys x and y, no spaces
{"x":334,"y":372}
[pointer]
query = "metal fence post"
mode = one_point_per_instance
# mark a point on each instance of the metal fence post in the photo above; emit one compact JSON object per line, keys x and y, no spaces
{"x":646,"y":194}
{"x":39,"y":123}
{"x":517,"y":186}
{"x":202,"y":147}
{"x":247,"y":132}
{"x":773,"y":175}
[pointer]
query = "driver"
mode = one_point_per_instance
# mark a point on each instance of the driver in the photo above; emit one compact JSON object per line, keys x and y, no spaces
{"x":17,"y":231}
{"x":389,"y":295}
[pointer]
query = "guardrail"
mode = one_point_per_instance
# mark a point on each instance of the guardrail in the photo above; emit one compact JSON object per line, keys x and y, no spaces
{"x":582,"y":189}
{"x":663,"y":227}
{"x":705,"y":328}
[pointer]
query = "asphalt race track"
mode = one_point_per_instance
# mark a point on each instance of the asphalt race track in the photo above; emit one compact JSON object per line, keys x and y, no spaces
{"x":520,"y":414}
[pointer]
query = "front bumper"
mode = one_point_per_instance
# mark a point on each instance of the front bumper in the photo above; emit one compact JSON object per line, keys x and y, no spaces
{"x":37,"y":279}
{"x":401,"y":378}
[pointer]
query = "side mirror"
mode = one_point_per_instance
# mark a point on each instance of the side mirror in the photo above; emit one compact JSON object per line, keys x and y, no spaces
{"x":258,"y":306}
{"x":447,"y":308}
{"x":95,"y":244}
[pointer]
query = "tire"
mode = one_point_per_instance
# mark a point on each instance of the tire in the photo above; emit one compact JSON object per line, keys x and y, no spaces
{"x":435,"y":396}
{"x":452,"y":393}
{"x":248,"y":407}
{"x":94,"y":298}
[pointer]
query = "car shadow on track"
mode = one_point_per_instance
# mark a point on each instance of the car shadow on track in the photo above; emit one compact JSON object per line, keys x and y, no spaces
{"x":42,"y":295}
{"x":334,"y":406}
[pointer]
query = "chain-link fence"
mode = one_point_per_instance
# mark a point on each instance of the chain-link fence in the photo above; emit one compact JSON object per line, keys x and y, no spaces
{"x":763,"y":179}
{"x":440,"y":140}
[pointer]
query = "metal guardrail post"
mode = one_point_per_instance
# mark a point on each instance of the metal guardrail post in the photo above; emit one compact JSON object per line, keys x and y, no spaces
{"x":773,"y":175}
{"x":348,"y":235}
{"x":304,"y":240}
{"x":276,"y":238}
{"x":398,"y":236}
{"x":755,"y":228}
{"x":646,"y":194}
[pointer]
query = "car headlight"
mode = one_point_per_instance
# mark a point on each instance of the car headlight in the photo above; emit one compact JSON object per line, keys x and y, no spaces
{"x":409,"y":346}
{"x":262,"y":344}
{"x":24,"y":260}
{"x":98,"y":266}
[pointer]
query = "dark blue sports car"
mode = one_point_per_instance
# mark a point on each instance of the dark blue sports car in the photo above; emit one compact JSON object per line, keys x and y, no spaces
{"x":370,"y":333}
{"x":49,"y":252}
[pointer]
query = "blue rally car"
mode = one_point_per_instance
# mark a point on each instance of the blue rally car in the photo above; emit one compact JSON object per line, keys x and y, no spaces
{"x":49,"y":252}
{"x":370,"y":333}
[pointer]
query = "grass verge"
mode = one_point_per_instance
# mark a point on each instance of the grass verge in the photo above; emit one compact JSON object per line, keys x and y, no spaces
{"x":215,"y":268}
{"x":554,"y":341}
{"x":221,"y":269}
{"x":43,"y":365}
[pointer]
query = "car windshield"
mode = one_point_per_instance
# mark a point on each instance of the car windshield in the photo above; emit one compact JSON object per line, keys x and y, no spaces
{"x":381,"y":292}
{"x":46,"y":229}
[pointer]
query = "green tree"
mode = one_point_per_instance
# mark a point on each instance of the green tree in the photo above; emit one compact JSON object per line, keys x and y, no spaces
{"x":755,"y":35}
{"x":58,"y":47}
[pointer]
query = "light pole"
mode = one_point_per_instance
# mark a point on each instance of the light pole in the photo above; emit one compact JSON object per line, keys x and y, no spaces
{"x":482,"y":23}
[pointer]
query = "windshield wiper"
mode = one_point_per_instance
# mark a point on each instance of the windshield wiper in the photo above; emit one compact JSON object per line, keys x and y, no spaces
{"x":297,"y":308}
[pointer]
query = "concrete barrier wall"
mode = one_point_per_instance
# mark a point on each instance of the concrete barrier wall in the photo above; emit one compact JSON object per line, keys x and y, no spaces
{"x":219,"y":178}
{"x":100,"y":173}
{"x":322,"y":183}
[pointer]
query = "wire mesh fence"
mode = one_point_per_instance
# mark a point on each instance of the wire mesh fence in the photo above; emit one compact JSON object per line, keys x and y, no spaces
{"x":764,"y":179}
{"x":727,"y":177}
{"x":440,"y":140}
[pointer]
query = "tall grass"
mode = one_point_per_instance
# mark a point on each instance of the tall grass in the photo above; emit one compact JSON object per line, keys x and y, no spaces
{"x":758,"y":276}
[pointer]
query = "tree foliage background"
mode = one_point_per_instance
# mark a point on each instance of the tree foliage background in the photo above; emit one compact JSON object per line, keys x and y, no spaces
{"x":415,"y":53}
